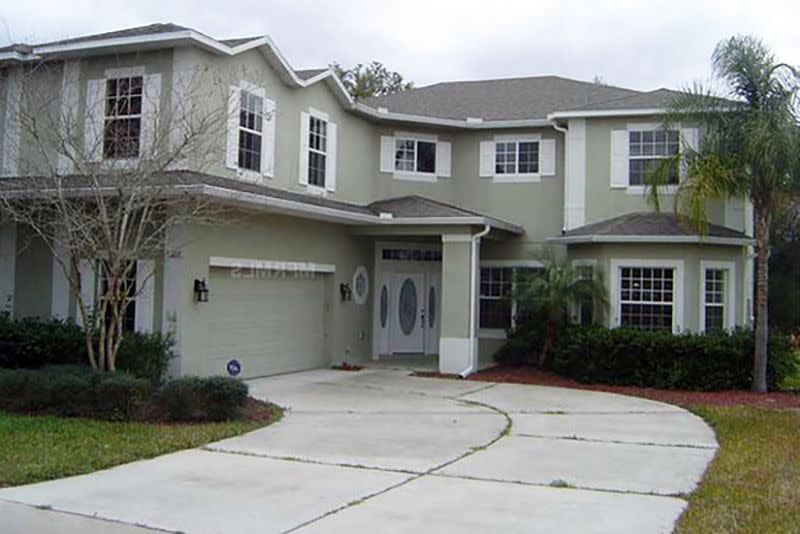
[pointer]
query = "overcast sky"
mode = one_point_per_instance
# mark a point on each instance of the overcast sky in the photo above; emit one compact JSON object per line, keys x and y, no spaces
{"x":642,"y":45}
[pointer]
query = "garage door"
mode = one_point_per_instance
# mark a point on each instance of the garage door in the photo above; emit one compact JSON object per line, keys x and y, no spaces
{"x":271,"y":325}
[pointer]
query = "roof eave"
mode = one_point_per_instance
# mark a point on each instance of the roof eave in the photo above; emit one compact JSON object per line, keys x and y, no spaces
{"x":469,"y":124}
{"x":599,"y":113}
{"x":675,"y":239}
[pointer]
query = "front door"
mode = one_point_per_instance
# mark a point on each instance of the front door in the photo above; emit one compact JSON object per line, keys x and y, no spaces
{"x":407,"y":331}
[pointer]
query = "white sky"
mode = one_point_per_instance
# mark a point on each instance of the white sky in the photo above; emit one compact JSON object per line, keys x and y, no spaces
{"x":642,"y":45}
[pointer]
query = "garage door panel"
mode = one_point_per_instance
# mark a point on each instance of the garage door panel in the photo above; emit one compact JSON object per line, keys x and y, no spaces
{"x":271,"y":325}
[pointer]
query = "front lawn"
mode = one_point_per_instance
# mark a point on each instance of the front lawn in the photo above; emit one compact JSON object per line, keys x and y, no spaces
{"x":753,"y":485}
{"x":34,"y":448}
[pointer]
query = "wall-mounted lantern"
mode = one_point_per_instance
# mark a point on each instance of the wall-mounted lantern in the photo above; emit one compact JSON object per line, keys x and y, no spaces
{"x":346,"y":292}
{"x":200,"y":290}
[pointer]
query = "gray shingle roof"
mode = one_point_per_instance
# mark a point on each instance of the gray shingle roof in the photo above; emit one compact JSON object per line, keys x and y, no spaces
{"x":150,"y":29}
{"x":415,"y":206}
{"x":658,"y":99}
{"x":305,"y":74}
{"x":240,"y":41}
{"x":504,"y":99}
{"x":649,"y":224}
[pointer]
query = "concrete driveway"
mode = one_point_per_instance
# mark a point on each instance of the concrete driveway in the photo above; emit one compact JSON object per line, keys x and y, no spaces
{"x":379,"y":451}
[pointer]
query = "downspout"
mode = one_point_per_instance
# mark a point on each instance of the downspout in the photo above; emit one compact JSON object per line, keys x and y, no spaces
{"x":474,"y":267}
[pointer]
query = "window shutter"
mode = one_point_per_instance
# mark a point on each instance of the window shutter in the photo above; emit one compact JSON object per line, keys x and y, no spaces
{"x":547,"y":157}
{"x":234,"y":108}
{"x":95,"y":116}
{"x":88,"y":278}
{"x":619,"y":158}
{"x":145,"y":272}
{"x":443,"y":158}
{"x":487,"y":159}
{"x":388,"y":149}
{"x":303,"y":158}
{"x":268,"y":138}
{"x":330,"y":160}
{"x":151,"y":100}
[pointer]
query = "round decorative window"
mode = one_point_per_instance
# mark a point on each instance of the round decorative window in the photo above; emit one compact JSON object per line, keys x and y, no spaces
{"x":360,"y":285}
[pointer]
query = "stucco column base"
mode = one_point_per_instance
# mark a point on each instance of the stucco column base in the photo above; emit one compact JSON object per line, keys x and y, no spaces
{"x":454,"y":354}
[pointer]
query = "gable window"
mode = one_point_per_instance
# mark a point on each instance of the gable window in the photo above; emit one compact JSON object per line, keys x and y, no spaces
{"x":317,"y":150}
{"x":251,"y":125}
{"x":516,"y":157}
{"x":498,"y":309}
{"x":646,"y":296}
{"x":123,"y":117}
{"x":415,"y":155}
{"x":646,"y":150}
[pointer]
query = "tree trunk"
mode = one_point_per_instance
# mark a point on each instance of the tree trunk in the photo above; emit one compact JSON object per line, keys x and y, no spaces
{"x":762,"y":230}
{"x":547,"y":348}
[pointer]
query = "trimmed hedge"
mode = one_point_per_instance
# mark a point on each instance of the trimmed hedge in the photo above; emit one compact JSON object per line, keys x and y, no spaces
{"x":703,"y":362}
{"x":192,"y":398}
{"x":75,"y":391}
{"x":145,"y":355}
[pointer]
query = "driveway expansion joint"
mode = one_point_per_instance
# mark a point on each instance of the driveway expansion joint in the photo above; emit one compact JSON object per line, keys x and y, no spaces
{"x":620,"y":442}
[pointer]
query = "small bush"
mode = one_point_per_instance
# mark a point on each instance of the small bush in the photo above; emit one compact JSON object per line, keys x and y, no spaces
{"x":73,"y":391}
{"x":145,"y":355}
{"x":203,"y":399}
{"x":31,"y":343}
{"x":704,"y":362}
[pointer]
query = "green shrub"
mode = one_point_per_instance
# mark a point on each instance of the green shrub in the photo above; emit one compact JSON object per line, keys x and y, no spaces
{"x":524,"y":343}
{"x":203,"y":399}
{"x":73,"y":391}
{"x":32,"y":343}
{"x":706,"y":362}
{"x":145,"y":355}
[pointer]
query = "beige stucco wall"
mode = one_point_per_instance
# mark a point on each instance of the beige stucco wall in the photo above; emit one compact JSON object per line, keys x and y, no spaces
{"x":33,"y":276}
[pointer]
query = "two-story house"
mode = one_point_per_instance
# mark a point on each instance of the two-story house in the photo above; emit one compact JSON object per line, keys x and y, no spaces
{"x":370,"y":229}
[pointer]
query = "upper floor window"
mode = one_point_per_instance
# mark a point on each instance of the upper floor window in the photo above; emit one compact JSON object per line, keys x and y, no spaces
{"x":647,"y":148}
{"x":415,"y":155}
{"x":317,"y":151}
{"x":122,"y":127}
{"x":251,"y":130}
{"x":516,"y":157}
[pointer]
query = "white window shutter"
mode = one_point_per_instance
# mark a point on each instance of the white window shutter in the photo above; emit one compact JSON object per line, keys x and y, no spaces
{"x":619,"y":158}
{"x":443,"y":158}
{"x":151,"y":105}
{"x":88,"y":278}
{"x":388,"y":149}
{"x":487,"y":163}
{"x":94,"y":120}
{"x":330,"y":160}
{"x":547,"y":157}
{"x":145,"y":273}
{"x":303,"y":157}
{"x":234,"y":107}
{"x":268,"y":138}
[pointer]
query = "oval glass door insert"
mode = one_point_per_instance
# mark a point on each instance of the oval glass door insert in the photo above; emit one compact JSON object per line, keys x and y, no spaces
{"x":431,"y":307}
{"x":384,"y":305}
{"x":407,"y":304}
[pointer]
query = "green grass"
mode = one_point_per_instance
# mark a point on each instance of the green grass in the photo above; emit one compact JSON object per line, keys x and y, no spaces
{"x":36,"y":448}
{"x":753,"y":485}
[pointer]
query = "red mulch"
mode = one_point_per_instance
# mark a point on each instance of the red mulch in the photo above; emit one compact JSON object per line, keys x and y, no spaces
{"x":344,"y":366}
{"x":531,"y":375}
{"x":256,"y":410}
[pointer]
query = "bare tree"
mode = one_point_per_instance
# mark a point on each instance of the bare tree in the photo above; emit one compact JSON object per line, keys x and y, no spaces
{"x":102,"y":188}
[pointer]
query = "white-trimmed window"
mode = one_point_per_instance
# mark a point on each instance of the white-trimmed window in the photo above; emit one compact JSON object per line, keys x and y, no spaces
{"x":647,"y":297}
{"x":584,"y":314}
{"x":498,"y":310}
{"x":122,"y":126}
{"x":415,"y":155}
{"x":647,"y":149}
{"x":251,"y":130}
{"x":516,"y":157}
{"x":317,"y":150}
{"x":717,"y":295}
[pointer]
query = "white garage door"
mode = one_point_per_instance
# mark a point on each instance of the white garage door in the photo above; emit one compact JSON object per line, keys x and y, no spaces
{"x":271,"y":325}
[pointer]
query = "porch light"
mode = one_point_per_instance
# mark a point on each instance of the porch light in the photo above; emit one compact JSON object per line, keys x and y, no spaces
{"x":200,"y":290}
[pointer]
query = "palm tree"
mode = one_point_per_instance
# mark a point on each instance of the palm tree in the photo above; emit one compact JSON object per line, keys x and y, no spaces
{"x":750,"y":149}
{"x":550,"y":293}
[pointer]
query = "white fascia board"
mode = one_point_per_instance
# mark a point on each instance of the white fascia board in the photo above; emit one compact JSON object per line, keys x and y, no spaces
{"x":645,"y":239}
{"x":471,"y":124}
{"x":270,"y":265}
{"x":606,"y":113}
{"x":17,"y":56}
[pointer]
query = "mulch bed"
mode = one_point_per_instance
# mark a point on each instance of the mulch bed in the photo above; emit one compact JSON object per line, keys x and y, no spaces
{"x":534,"y":376}
{"x":256,"y":410}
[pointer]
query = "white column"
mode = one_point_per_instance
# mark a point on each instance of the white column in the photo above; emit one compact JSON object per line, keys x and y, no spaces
{"x":173,"y":287}
{"x":59,"y":291}
{"x":8,"y":264}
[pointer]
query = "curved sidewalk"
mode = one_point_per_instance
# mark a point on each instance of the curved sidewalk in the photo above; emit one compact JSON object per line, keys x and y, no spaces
{"x":378,"y":450}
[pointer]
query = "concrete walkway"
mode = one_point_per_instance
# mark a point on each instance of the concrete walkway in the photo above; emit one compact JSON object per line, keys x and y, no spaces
{"x":379,"y":451}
